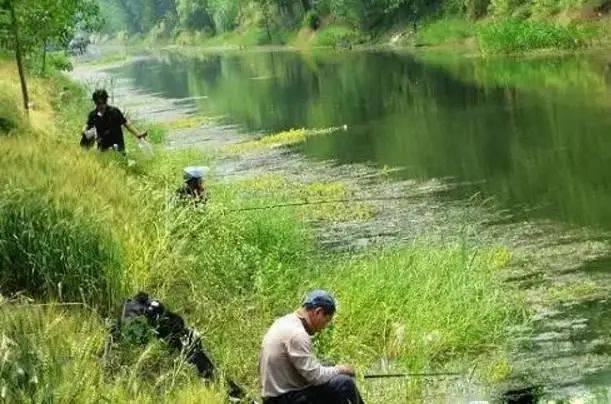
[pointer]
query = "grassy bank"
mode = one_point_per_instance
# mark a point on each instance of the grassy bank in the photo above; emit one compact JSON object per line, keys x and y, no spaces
{"x":93,"y":228}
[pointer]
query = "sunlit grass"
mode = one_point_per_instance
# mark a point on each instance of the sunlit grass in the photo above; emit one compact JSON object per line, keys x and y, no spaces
{"x":285,"y":138}
{"x":516,"y":36}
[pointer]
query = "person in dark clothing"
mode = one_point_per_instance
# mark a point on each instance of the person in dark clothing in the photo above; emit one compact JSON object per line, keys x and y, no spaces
{"x":108,"y":122}
{"x":171,"y":328}
{"x":194,"y":190}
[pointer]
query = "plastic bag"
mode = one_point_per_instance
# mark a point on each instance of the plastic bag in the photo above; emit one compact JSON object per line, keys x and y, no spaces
{"x":146,"y":149}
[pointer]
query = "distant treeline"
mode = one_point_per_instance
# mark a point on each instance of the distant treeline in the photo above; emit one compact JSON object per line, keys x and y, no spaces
{"x":168,"y":18}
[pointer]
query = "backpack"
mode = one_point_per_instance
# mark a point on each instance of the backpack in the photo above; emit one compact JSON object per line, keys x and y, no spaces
{"x":172,"y":329}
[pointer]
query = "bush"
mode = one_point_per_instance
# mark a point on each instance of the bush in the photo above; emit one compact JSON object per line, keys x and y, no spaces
{"x":59,"y":61}
{"x":336,"y":36}
{"x":311,"y":20}
{"x":48,"y":250}
{"x":446,"y":31}
{"x":514,"y":36}
{"x":10,"y":115}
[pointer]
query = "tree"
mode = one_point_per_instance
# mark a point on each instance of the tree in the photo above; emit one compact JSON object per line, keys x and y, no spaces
{"x":56,"y":22}
{"x":13,"y":39}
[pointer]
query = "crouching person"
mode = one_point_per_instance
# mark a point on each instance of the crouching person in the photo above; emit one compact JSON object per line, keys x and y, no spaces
{"x":290,"y":373}
{"x":171,"y":328}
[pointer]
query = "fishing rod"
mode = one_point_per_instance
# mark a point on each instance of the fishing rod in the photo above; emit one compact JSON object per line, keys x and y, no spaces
{"x":405,"y":375}
{"x":330,"y":202}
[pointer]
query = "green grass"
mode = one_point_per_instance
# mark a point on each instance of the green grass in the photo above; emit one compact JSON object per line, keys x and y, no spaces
{"x":54,"y":354}
{"x":245,"y":37}
{"x":336,"y":36}
{"x":104,"y":228}
{"x":518,"y":36}
{"x":446,"y":31}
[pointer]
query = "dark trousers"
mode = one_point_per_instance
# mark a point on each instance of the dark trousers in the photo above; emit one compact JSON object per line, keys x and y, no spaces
{"x":340,"y":389}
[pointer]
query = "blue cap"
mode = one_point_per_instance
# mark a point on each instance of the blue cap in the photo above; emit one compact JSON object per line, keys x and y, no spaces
{"x":320,"y":298}
{"x":195,"y":172}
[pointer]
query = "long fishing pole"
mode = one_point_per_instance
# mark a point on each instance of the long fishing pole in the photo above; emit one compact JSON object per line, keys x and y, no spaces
{"x":405,"y":375}
{"x":330,"y":202}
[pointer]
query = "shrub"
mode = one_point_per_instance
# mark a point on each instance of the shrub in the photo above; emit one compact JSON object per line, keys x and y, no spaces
{"x":311,"y":20}
{"x":336,"y":36}
{"x":59,"y":61}
{"x":446,"y":31}
{"x":514,"y":36}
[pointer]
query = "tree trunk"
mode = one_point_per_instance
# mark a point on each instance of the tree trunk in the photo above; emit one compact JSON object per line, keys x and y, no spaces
{"x":19,"y":56}
{"x":267,"y":16}
{"x":44,"y":56}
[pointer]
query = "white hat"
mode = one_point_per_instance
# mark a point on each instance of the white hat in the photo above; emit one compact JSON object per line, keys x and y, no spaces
{"x":195,"y":172}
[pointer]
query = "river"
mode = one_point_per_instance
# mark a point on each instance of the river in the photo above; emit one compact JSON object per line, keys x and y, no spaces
{"x":530,"y":138}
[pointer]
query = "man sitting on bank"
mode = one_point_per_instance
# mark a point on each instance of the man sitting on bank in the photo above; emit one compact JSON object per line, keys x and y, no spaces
{"x":290,"y":373}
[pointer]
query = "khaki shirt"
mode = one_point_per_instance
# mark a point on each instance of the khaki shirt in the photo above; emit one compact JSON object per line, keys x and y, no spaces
{"x":286,"y":362}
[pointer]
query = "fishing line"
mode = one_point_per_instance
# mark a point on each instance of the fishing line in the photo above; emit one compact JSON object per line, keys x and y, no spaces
{"x":329,"y":202}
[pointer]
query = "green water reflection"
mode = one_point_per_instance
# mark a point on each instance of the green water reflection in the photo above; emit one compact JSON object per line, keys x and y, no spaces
{"x":532,"y":134}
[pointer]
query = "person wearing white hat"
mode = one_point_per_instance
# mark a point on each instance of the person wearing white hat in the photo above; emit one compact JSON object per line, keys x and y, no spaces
{"x":194,"y":189}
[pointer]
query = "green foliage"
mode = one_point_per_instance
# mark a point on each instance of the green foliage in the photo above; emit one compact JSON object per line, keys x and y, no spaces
{"x":11,"y":117}
{"x":258,"y":22}
{"x":336,"y":36}
{"x":446,"y":31}
{"x":52,"y":250}
{"x":60,"y":61}
{"x":514,"y":35}
{"x":312,"y":20}
{"x":58,"y":354}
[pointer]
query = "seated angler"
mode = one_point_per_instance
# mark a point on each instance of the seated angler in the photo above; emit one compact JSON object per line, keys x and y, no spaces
{"x":290,"y":373}
{"x":194,"y":189}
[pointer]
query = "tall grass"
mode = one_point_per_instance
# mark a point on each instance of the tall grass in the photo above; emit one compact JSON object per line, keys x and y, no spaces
{"x":446,"y":31}
{"x":336,"y":36}
{"x":516,"y":35}
{"x":50,"y":354}
{"x":50,"y":250}
{"x":104,"y":228}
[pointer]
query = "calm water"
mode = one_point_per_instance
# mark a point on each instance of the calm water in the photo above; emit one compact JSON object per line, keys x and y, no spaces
{"x":532,"y":135}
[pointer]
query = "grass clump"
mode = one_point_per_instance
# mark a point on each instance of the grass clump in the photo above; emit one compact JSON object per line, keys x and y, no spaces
{"x":440,"y":304}
{"x":52,"y":250}
{"x":11,"y":118}
{"x":518,"y":36}
{"x":336,"y":36}
{"x":446,"y":31}
{"x":282,"y":139}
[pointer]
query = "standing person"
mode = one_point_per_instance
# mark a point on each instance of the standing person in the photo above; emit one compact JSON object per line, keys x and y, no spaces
{"x":290,"y":373}
{"x":108,"y":122}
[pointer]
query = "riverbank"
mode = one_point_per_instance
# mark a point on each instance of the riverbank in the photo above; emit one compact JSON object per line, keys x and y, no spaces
{"x":526,"y":32}
{"x":105,"y":229}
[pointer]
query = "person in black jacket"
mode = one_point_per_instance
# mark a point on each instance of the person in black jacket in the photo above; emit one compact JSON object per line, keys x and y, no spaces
{"x":172,"y":329}
{"x":108,"y":122}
